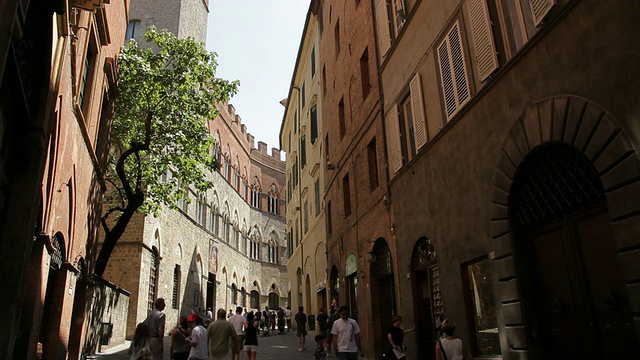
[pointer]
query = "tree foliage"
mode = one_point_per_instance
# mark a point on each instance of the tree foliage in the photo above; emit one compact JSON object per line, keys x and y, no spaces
{"x":167,"y":91}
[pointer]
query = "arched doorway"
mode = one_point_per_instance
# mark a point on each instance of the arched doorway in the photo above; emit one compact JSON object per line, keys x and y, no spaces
{"x":427,"y":297}
{"x":383,"y":289}
{"x":52,"y":309}
{"x":576,"y":298}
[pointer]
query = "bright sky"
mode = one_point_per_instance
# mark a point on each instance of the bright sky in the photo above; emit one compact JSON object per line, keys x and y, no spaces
{"x":257,"y":43}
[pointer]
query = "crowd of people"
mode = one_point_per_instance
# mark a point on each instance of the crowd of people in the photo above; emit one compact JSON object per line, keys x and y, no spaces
{"x":199,"y":337}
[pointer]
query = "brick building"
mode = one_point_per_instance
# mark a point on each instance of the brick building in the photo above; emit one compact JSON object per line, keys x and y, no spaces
{"x":58,"y":86}
{"x":512,"y":137}
{"x":220,"y":249}
{"x":356,"y":212}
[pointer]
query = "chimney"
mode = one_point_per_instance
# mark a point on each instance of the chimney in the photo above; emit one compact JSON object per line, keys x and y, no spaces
{"x":275,"y":152}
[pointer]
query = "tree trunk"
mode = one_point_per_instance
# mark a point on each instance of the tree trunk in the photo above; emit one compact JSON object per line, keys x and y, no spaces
{"x":113,"y":235}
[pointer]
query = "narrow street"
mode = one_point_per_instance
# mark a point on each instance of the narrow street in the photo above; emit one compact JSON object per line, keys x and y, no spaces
{"x":274,"y":347}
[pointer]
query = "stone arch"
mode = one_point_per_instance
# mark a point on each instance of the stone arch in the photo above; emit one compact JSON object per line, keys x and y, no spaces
{"x":593,"y":131}
{"x":157,"y":241}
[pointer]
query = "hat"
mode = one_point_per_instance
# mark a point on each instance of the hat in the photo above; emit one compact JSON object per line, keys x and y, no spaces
{"x":194,"y":318}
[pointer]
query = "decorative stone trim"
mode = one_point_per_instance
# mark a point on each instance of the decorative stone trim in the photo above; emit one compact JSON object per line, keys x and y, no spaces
{"x":592,"y":130}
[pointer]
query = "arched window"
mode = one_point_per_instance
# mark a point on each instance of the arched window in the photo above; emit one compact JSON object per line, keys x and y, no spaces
{"x":254,"y":247}
{"x":273,"y":252}
{"x":255,"y":300}
{"x":236,"y":175}
{"x":234,"y":294}
{"x":273,"y":199}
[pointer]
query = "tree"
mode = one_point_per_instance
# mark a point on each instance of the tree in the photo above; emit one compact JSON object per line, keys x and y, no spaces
{"x":166,"y":94}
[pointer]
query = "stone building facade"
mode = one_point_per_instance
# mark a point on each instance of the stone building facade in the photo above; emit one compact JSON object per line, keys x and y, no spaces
{"x":220,"y":249}
{"x":512,"y":137}
{"x":182,"y":18}
{"x":58,"y":66}
{"x":301,"y":137}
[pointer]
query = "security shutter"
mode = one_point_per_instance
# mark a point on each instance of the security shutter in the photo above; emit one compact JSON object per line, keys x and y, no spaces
{"x":483,"y":42}
{"x":384,"y":37}
{"x":417,"y":108}
{"x":392,"y":128}
{"x":540,"y":9}
{"x":453,"y":71}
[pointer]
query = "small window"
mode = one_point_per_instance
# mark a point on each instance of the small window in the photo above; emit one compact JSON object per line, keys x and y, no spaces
{"x":337,"y":37}
{"x":306,"y":217}
{"x":176,"y":287}
{"x":314,"y":123}
{"x":346,"y":192}
{"x":364,"y":73}
{"x":328,"y":219}
{"x":303,"y":151}
{"x":304,"y":95}
{"x":313,"y":61}
{"x":316,"y":188}
{"x":133,"y":30}
{"x":324,"y":80}
{"x":481,"y":312}
{"x":341,"y":118}
{"x":372,"y":158}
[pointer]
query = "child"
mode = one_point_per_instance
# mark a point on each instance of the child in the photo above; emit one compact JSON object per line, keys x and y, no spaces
{"x":319,"y":353}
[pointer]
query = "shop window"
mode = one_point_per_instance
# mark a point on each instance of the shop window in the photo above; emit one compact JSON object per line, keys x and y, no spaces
{"x":481,"y":312}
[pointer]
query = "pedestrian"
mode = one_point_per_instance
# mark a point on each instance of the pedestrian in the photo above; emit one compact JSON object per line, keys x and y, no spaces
{"x":239,"y":324}
{"x":179,"y":348}
{"x":450,"y":347}
{"x":251,"y":337}
{"x":280,"y":321}
{"x":332,"y":318}
{"x":287,"y":317}
{"x":346,"y":336}
{"x":222,"y":338}
{"x":198,"y":338}
{"x":301,"y":326}
{"x":322,"y":320}
{"x":319,"y":353}
{"x":139,"y":348}
{"x":156,"y":321}
{"x":395,"y":335}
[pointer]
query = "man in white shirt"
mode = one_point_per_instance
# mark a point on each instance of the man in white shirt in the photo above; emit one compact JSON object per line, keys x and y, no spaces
{"x":346,"y":336}
{"x":239,"y":322}
{"x":156,"y":321}
{"x":198,"y":338}
{"x":287,"y":316}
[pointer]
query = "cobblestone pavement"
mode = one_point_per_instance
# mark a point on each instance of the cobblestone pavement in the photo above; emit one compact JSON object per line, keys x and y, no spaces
{"x":274,"y":347}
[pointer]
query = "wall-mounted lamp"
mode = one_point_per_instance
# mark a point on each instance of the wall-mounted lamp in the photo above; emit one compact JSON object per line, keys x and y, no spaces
{"x":330,"y":165}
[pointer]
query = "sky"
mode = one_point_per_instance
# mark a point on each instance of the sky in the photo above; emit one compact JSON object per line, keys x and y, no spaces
{"x":257,"y":43}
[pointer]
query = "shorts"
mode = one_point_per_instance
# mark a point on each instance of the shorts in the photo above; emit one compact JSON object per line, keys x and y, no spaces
{"x":251,"y":348}
{"x":302,"y":332}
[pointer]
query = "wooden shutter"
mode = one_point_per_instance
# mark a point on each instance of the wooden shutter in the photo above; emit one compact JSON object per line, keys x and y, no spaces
{"x":483,"y":42}
{"x":392,"y":127}
{"x":540,"y":9}
{"x":399,"y":14}
{"x":417,"y":108}
{"x":384,"y":37}
{"x":453,"y":71}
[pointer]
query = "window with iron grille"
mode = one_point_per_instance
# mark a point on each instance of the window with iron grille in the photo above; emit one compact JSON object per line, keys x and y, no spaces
{"x":153,"y":278}
{"x":176,"y":287}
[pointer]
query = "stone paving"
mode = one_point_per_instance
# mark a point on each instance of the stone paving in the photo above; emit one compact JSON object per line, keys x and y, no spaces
{"x":274,"y":347}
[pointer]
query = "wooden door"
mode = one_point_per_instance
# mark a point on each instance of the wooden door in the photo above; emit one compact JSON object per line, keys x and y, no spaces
{"x":580,"y":299}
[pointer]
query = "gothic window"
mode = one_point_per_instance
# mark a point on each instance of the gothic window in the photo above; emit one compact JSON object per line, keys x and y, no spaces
{"x":255,"y":193}
{"x":273,"y":199}
{"x":255,"y":300}
{"x":254,"y":247}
